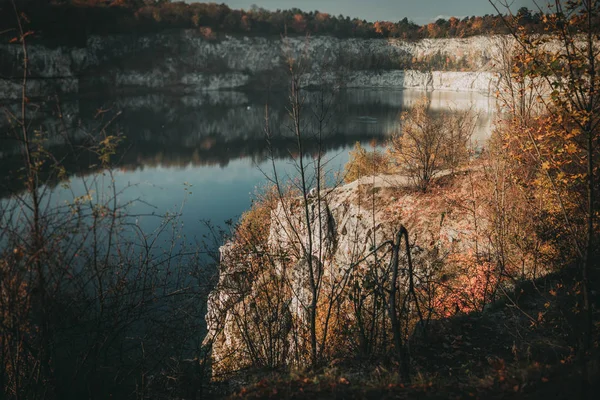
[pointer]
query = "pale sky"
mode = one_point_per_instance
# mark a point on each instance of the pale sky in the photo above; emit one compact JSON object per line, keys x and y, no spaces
{"x":419,"y":11}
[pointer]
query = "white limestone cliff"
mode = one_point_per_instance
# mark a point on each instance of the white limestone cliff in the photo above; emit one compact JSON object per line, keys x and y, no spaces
{"x":187,"y":61}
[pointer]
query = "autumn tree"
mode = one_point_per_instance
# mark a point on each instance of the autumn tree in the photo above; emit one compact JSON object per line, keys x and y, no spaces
{"x":562,"y":140}
{"x":417,"y":149}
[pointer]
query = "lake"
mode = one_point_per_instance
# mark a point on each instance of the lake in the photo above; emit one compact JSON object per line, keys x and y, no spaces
{"x":205,"y":155}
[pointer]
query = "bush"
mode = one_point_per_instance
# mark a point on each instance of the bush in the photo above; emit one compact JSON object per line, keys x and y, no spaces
{"x":428,"y":145}
{"x":364,"y":163}
{"x":253,"y":227}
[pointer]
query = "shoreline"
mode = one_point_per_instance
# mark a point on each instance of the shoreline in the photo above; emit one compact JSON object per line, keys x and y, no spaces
{"x":435,"y":81}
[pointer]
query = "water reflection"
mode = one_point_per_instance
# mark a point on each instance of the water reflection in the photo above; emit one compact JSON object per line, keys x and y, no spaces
{"x":213,"y":142}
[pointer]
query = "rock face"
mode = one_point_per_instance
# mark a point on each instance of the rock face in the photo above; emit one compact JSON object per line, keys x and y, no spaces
{"x":344,"y":229}
{"x":186,"y":61}
{"x":259,"y":313}
{"x":481,"y":82}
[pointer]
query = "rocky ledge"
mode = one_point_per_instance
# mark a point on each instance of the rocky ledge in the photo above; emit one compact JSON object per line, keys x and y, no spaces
{"x":264,"y":290}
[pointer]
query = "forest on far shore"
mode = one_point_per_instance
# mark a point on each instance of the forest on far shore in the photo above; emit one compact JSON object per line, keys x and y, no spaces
{"x":72,"y":21}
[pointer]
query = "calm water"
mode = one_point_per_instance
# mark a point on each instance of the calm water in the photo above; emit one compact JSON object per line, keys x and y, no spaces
{"x":206,"y":155}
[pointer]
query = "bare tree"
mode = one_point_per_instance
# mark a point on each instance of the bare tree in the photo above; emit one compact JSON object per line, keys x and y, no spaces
{"x":429,"y":144}
{"x":85,"y":291}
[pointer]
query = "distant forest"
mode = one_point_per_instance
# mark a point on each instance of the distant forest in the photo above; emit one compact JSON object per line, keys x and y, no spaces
{"x":75,"y":20}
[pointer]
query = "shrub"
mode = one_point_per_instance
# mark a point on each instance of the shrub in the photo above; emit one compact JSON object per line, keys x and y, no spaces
{"x":253,"y":227}
{"x":428,"y":144}
{"x":364,"y":163}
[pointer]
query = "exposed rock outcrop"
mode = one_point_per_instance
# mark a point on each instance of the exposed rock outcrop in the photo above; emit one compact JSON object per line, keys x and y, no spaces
{"x":341,"y":233}
{"x":187,"y":61}
{"x":267,"y":292}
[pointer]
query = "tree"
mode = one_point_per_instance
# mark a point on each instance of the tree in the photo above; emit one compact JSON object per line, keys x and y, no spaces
{"x":564,"y":144}
{"x":428,"y":144}
{"x":418,"y":148}
{"x":83,"y":289}
{"x":304,"y":280}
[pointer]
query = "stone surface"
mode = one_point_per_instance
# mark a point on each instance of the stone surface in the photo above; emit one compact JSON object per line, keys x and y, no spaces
{"x":187,"y":60}
{"x":348,"y":222}
{"x":344,"y":229}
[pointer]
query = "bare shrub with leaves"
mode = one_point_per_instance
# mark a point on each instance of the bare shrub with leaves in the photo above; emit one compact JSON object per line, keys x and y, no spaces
{"x":458,"y":147}
{"x":430,"y":144}
{"x":366,"y":163}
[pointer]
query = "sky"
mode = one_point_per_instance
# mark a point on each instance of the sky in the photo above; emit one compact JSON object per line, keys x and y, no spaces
{"x":419,"y":11}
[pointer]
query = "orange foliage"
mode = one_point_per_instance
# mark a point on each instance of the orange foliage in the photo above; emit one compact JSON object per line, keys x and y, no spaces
{"x":245,"y":23}
{"x":472,"y":285}
{"x":299,"y":23}
{"x":207,"y":33}
{"x":322,"y":17}
{"x":383,"y":28}
{"x":477,"y":24}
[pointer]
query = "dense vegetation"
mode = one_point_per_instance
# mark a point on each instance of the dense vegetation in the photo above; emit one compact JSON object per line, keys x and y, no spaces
{"x":77,"y":19}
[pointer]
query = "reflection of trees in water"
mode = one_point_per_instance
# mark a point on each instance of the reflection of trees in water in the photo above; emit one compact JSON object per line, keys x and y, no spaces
{"x":211,"y":128}
{"x":192,"y":125}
